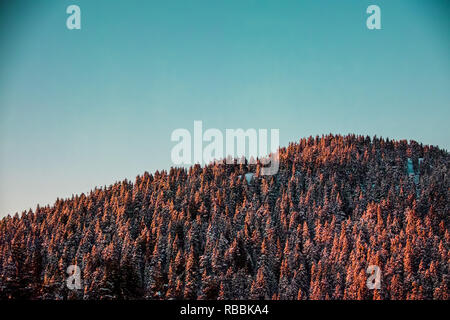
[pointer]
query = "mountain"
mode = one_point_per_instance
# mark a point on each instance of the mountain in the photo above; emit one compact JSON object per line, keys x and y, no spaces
{"x":338,"y":205}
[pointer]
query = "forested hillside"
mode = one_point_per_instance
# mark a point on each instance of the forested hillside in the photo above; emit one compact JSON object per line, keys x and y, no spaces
{"x":337,"y":205}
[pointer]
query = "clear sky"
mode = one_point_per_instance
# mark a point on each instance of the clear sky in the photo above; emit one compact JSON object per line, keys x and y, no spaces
{"x":85,"y":108}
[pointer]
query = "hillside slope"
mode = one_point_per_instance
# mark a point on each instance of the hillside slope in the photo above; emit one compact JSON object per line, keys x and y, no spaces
{"x":337,"y":205}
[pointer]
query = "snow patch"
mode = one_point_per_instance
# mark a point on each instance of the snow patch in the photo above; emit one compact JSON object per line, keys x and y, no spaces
{"x":409,"y":167}
{"x":412,"y":174}
{"x":248,"y":177}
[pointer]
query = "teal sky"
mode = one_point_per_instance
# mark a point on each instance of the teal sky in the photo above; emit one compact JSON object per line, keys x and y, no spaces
{"x":85,"y":108}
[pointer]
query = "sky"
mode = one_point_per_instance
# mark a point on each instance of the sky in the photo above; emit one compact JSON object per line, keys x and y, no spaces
{"x":85,"y":108}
